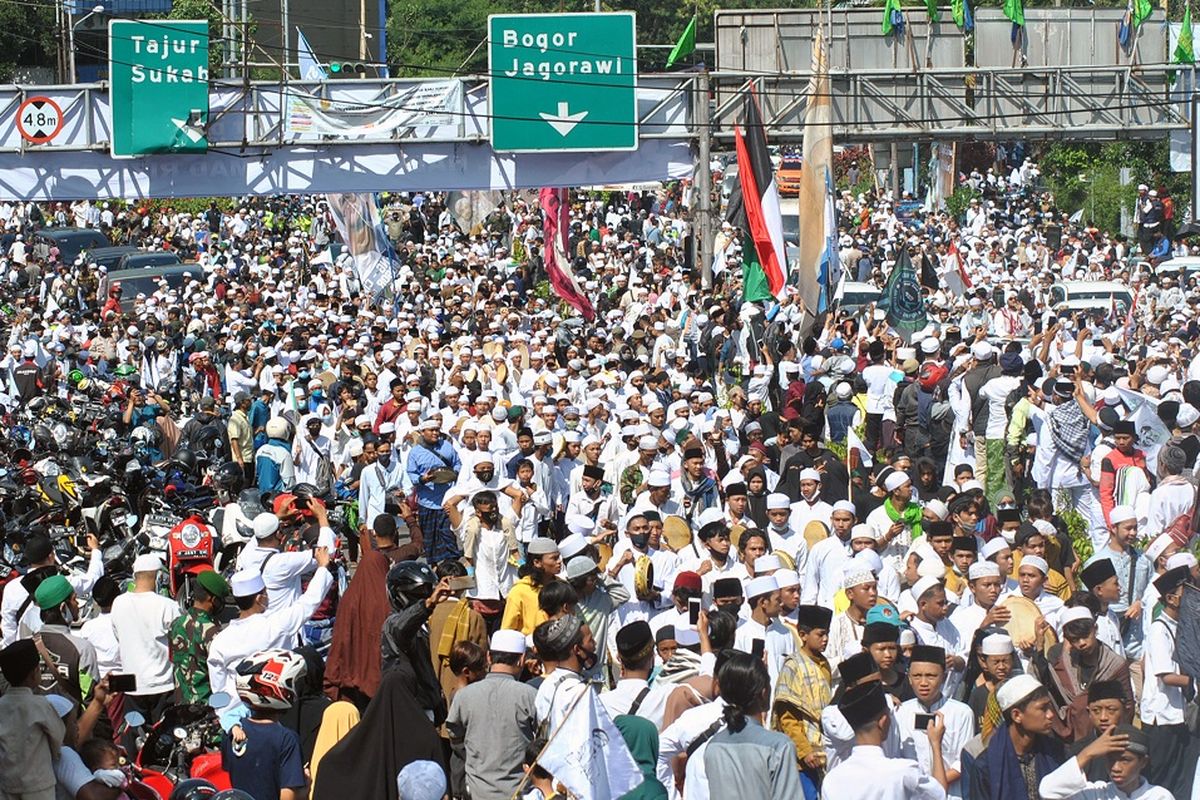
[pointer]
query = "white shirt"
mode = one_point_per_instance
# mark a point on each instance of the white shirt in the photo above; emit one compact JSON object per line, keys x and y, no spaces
{"x":945,"y":636}
{"x":895,"y":553}
{"x":779,"y":643}
{"x":284,"y":572}
{"x":557,"y":695}
{"x":792,"y":543}
{"x":960,"y":727}
{"x":374,"y":483}
{"x":1161,"y":704}
{"x":140,"y":622}
{"x":99,"y":631}
{"x":31,"y":620}
{"x":823,"y":571}
{"x":676,"y":739}
{"x":1069,"y":783}
{"x":870,"y":775}
{"x":619,"y":700}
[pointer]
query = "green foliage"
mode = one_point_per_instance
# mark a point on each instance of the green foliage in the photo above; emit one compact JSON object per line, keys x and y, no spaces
{"x":1077,"y":527}
{"x":203,"y":9}
{"x":957,"y":202}
{"x":27,"y":37}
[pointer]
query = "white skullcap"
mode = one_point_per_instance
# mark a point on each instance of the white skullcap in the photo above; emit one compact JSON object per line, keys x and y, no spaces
{"x":871,"y":559}
{"x":924,"y":585}
{"x":855,"y":573}
{"x":1037,"y":562}
{"x":648,"y":443}
{"x":983,"y":569}
{"x":1187,"y":416}
{"x":760,"y":586}
{"x":994,"y":546}
{"x":572,"y":544}
{"x":810,"y":474}
{"x":658,"y":479}
{"x":265,"y":524}
{"x":1044,"y":526}
{"x":784,"y":577}
{"x":895,"y":480}
{"x":767,"y":563}
{"x":147,"y":562}
{"x":507,"y":641}
{"x":1184,"y":559}
{"x":996,"y":644}
{"x":845,"y":505}
{"x":1016,"y":689}
{"x":907,"y":637}
{"x":970,"y":485}
{"x":246,"y":583}
{"x":1121,"y":514}
{"x":862,"y":531}
{"x":938,"y":508}
{"x":777,"y":500}
{"x":1075,"y":614}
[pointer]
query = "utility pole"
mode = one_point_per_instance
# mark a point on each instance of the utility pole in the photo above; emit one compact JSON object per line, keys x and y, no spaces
{"x":704,"y":179}
{"x":287,"y":37}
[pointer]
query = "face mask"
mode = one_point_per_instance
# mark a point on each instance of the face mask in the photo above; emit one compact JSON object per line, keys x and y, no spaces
{"x":485,"y":477}
{"x":68,"y":614}
{"x":384,"y":460}
{"x":588,"y":660}
{"x":639,"y":540}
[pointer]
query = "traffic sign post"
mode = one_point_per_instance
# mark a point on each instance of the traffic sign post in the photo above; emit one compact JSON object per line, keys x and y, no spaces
{"x":563,"y":82}
{"x":39,"y":120}
{"x":158,"y":73}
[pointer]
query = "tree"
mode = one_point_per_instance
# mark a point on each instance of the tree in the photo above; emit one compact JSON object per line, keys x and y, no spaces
{"x":27,"y":37}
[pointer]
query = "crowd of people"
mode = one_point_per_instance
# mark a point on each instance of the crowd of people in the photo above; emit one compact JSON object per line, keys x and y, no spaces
{"x":782,"y":557}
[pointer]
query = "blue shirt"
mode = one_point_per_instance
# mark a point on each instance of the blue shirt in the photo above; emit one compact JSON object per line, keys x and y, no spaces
{"x":421,"y":460}
{"x":272,"y":760}
{"x":1131,"y":638}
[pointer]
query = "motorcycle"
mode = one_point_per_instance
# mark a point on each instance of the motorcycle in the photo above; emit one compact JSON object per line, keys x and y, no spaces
{"x":184,"y":744}
{"x":191,"y":549}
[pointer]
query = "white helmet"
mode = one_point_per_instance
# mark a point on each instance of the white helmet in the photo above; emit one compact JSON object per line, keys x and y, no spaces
{"x":277,"y":428}
{"x":271,"y":679}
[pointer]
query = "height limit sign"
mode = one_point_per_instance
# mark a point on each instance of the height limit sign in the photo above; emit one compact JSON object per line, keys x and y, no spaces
{"x":39,"y":120}
{"x":563,"y":82}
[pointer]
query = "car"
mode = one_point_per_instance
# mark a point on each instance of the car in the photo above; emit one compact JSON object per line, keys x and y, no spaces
{"x":855,"y":295}
{"x":107,"y":257}
{"x":72,"y":241}
{"x":787,"y":178}
{"x":1182,"y":268}
{"x":144,"y":280}
{"x":1067,"y":297}
{"x":143,"y":259}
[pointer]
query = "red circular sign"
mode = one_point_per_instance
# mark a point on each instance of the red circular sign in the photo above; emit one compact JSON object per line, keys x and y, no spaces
{"x":39,"y":119}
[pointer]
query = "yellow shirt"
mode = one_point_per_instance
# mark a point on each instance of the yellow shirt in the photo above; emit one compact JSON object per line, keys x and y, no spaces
{"x":521,"y":612}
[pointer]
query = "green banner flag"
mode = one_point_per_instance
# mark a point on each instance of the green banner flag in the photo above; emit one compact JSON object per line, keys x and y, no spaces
{"x":1142,"y":9}
{"x":686,"y":44}
{"x":931,"y":7}
{"x":1015,"y":11}
{"x":902,"y":298}
{"x":893,"y":18}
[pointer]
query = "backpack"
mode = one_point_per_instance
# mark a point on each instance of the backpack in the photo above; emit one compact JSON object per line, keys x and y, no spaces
{"x":323,"y":479}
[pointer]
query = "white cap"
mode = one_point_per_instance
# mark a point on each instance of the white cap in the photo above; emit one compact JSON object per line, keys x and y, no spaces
{"x":862,"y":531}
{"x":907,"y":637}
{"x":265,"y":524}
{"x":1075,"y":614}
{"x":572,"y":544}
{"x":1037,"y":562}
{"x":786,"y":577}
{"x":507,"y":641}
{"x":939,"y":509}
{"x":981,"y":350}
{"x":1121,"y":514}
{"x":871,"y":559}
{"x":648,"y":443}
{"x":983,"y":569}
{"x":1187,"y":415}
{"x":996,"y":644}
{"x":810,"y":474}
{"x":924,"y":585}
{"x":994,"y":546}
{"x":895,"y":480}
{"x":767,"y":563}
{"x":1184,"y":559}
{"x":1016,"y":689}
{"x":427,"y":425}
{"x":761,"y":586}
{"x":390,"y":427}
{"x":1158,"y":547}
{"x":246,"y":583}
{"x":147,"y":562}
{"x":845,"y":505}
{"x":856,"y":573}
{"x":777,"y":501}
{"x":658,"y":478}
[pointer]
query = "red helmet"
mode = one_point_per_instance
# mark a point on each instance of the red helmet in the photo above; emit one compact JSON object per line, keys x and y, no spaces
{"x":931,"y":375}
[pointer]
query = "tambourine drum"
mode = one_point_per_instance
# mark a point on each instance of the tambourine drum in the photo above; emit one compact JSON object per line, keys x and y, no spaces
{"x":643,"y":577}
{"x":786,"y":559}
{"x":814,"y":532}
{"x":604,"y":551}
{"x":735,"y":534}
{"x":677,"y":533}
{"x":1022,"y":625}
{"x":444,"y":475}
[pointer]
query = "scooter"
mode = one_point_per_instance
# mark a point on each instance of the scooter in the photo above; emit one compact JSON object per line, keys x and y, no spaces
{"x":191,"y":549}
{"x":183,"y":744}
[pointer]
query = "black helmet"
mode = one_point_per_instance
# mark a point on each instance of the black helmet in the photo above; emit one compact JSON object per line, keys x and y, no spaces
{"x":250,"y":502}
{"x":408,"y":582}
{"x":232,"y":794}
{"x":229,"y":478}
{"x":305,"y":491}
{"x":193,"y":789}
{"x":186,"y":459}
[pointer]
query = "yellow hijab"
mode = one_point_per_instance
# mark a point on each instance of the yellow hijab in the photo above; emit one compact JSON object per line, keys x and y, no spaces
{"x":336,"y":722}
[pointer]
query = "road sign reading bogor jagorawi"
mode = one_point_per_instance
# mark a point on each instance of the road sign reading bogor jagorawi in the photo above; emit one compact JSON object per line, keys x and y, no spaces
{"x":563,"y":82}
{"x":158,"y":73}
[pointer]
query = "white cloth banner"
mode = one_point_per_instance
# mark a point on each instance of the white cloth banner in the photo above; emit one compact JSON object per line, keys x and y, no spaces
{"x":430,"y":104}
{"x":588,"y":755}
{"x":357,"y":219}
{"x":1151,"y":431}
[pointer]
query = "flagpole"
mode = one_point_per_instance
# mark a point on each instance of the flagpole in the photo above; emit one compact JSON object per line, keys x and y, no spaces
{"x":587,"y":687}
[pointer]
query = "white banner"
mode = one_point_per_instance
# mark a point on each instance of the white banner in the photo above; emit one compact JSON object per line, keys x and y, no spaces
{"x":430,"y":104}
{"x":357,"y":219}
{"x":588,"y":755}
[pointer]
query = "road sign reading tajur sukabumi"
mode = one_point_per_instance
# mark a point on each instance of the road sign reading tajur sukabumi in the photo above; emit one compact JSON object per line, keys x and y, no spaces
{"x":563,"y":82}
{"x":158,"y":74}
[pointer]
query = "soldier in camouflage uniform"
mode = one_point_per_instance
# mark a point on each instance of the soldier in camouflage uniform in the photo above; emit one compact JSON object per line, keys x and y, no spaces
{"x":191,"y":634}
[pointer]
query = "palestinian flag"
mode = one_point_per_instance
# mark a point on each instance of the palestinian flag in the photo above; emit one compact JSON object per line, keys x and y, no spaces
{"x":756,"y":210}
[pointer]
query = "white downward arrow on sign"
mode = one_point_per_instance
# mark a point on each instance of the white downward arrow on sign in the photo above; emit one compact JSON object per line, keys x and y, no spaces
{"x":563,"y":122}
{"x":189,"y":131}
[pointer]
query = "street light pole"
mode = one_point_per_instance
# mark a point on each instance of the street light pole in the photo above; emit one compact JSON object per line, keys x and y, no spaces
{"x":71,"y":75}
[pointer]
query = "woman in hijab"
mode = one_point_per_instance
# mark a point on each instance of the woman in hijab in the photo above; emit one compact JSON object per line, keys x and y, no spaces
{"x":641,"y":737}
{"x":305,"y":715}
{"x":756,"y":497}
{"x":393,"y":732}
{"x":336,"y":722}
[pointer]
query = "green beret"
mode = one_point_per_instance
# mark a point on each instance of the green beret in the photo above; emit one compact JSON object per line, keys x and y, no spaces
{"x":213,"y":583}
{"x":53,"y":592}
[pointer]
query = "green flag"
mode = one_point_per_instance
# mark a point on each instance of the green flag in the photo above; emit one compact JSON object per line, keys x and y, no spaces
{"x":755,"y":287}
{"x":1142,"y":9}
{"x":1185,"y":52}
{"x":686,"y":44}
{"x":931,"y":7}
{"x":893,"y":18}
{"x":1015,"y":11}
{"x":958,"y":12}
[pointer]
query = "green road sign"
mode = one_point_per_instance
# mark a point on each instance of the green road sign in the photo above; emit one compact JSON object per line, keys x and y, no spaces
{"x":563,"y":82}
{"x":158,"y":74}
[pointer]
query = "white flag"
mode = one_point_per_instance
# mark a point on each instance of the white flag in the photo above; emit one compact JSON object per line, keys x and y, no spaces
{"x":588,"y":755}
{"x":1152,"y":432}
{"x":855,"y":443}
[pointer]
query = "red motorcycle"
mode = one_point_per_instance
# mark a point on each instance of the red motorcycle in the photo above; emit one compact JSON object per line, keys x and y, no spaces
{"x":191,"y":549}
{"x":183,"y":744}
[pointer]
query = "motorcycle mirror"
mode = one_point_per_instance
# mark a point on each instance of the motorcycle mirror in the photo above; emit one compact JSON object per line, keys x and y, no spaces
{"x":134,"y":719}
{"x":218,"y":700}
{"x":179,"y":733}
{"x":131,"y":521}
